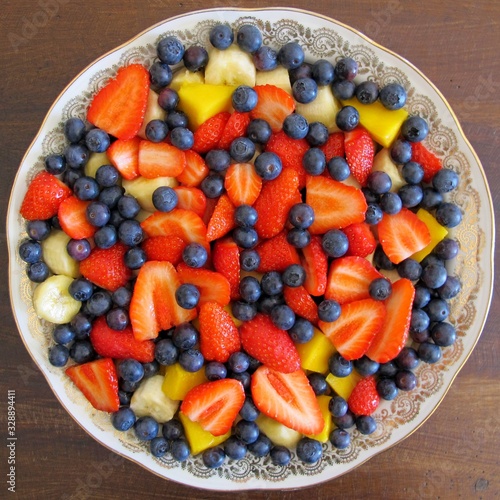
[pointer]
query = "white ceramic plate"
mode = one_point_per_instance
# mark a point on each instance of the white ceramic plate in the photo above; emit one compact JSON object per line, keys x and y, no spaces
{"x":321,"y":38}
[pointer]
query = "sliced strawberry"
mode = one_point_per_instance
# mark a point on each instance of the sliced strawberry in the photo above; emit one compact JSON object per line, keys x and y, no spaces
{"x":214,"y":405}
{"x":315,"y":262}
{"x":429,"y":161}
{"x":242,"y":184}
{"x":301,"y":303}
{"x":274,"y":203}
{"x":276,"y":254}
{"x":235,"y":127}
{"x":195,"y":169}
{"x":393,"y":334}
{"x":209,"y":133}
{"x":334,"y":146}
{"x":191,"y":198}
{"x":124,"y":156}
{"x":273,"y":105}
{"x":219,"y":336}
{"x":222,"y":219}
{"x":364,"y":398}
{"x":43,"y":197}
{"x":226,"y":260}
{"x":73,"y":219}
{"x":269,"y":344}
{"x":106,"y":268}
{"x":359,"y":153}
{"x":361,"y":239}
{"x":349,"y":279}
{"x":110,"y":343}
{"x":402,"y":234}
{"x":98,"y":382}
{"x":336,"y":205}
{"x":159,"y":159}
{"x":358,"y":324}
{"x":209,"y":210}
{"x":167,"y":248}
{"x":287,"y":398}
{"x":119,"y":107}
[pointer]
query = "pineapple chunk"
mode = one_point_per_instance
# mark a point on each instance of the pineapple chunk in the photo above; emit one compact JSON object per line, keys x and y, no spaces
{"x":142,"y":189}
{"x":185,"y":77}
{"x":56,"y":255}
{"x":153,"y":112}
{"x":438,"y":232}
{"x":95,"y":161}
{"x":343,"y":386}
{"x":323,"y":109}
{"x":323,"y":436}
{"x":278,"y":433}
{"x":278,"y":77}
{"x":230,"y":67}
{"x":178,"y":382}
{"x":384,"y":163}
{"x":314,"y":355}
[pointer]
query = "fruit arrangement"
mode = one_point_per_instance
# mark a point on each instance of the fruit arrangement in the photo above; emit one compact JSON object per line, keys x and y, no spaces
{"x":241,"y":251}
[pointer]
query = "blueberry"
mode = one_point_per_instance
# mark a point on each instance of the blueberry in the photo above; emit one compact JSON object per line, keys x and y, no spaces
{"x":338,"y":168}
{"x":391,"y":203}
{"x":71,"y":175}
{"x":309,"y":450}
{"x":407,"y":359}
{"x":443,"y":334}
{"x":106,"y":236}
{"x":323,"y":72}
{"x":76,"y":155}
{"x":185,"y":336}
{"x":117,"y":319}
{"x":38,"y":230}
{"x":30,"y":251}
{"x":63,"y":334}
{"x":170,"y":50}
{"x":346,"y":421}
{"x":268,"y":165}
{"x":249,"y":411}
{"x":434,"y":275}
{"x":259,"y":131}
{"x":302,"y":71}
{"x":367,"y":92}
{"x":294,"y":275}
{"x":265,"y":58}
{"x":172,"y":430}
{"x":318,"y":383}
{"x":159,"y":446}
{"x":99,"y":303}
{"x":317,"y":134}
{"x":180,"y":449}
{"x":165,"y":199}
{"x":401,"y":152}
{"x":267,"y":303}
{"x":412,"y":172}
{"x":339,"y":366}
{"x":388,"y":369}
{"x":215,"y":371}
{"x":74,"y":129}
{"x":450,"y":289}
{"x":234,"y":448}
{"x":191,"y":360}
{"x":249,"y":38}
{"x":151,"y":369}
{"x":419,"y":321}
{"x":446,"y":249}
{"x":314,"y":161}
{"x":381,"y":261}
{"x":38,"y":272}
{"x":160,"y":74}
{"x":97,"y":140}
{"x":176,"y":119}
{"x":165,"y":352}
{"x":410,"y":269}
{"x":328,"y":310}
{"x":110,"y":196}
{"x":422,"y":296}
{"x":128,"y":206}
{"x":135,"y":258}
{"x":121,"y":296}
{"x":221,"y":36}
{"x":244,"y":378}
{"x":271,"y":283}
{"x":405,"y":380}
{"x":246,"y":431}
{"x":302,"y":331}
{"x":146,"y":428}
{"x":124,"y":397}
{"x":387,"y":389}
{"x":58,"y":355}
{"x":366,"y":424}
{"x":123,"y":419}
{"x":429,"y":353}
{"x":245,"y":237}
{"x":78,"y":249}
{"x":431,"y":198}
{"x":187,"y":296}
{"x":393,"y":96}
{"x":243,"y":310}
{"x":414,"y":129}
{"x":291,"y":55}
{"x":283,"y":317}
{"x":346,"y":69}
{"x":81,"y":289}
{"x":374,"y":214}
{"x":338,"y":406}
{"x":130,"y":232}
{"x":218,"y":160}
{"x":249,"y":260}
{"x":212,"y":185}
{"x":156,"y":130}
{"x":86,"y":188}
{"x":107,"y":176}
{"x":335,"y":243}
{"x":445,"y":180}
{"x":295,"y":126}
{"x":298,"y":238}
{"x":81,"y":325}
{"x":304,"y":90}
{"x":130,"y":370}
{"x":340,"y":439}
{"x":194,"y":255}
{"x":249,"y":289}
{"x":97,"y":213}
{"x":81,"y":351}
{"x":365,"y":366}
{"x":369,"y":195}
{"x":379,"y":182}
{"x":343,"y":89}
{"x":238,"y":362}
{"x":245,"y":216}
{"x":182,"y":138}
{"x":127,"y":386}
{"x":168,"y":99}
{"x":411,"y":195}
{"x":301,"y":215}
{"x":55,"y":164}
{"x":437,"y":309}
{"x":261,"y":447}
{"x":244,"y":99}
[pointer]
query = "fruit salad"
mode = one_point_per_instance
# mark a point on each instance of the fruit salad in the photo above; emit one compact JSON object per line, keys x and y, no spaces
{"x":243,"y":251}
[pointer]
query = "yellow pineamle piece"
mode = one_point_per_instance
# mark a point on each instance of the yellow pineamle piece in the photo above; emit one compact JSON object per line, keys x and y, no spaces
{"x":314,"y":355}
{"x":382,"y":123}
{"x":178,"y":382}
{"x":323,"y":436}
{"x":438,"y":232}
{"x":199,"y":439}
{"x":343,"y":386}
{"x":201,"y":101}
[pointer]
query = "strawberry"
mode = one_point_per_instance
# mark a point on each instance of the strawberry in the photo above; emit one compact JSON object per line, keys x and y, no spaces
{"x":364,"y":398}
{"x":235,"y":127}
{"x":301,"y":303}
{"x":402,"y":234}
{"x":214,"y":405}
{"x":429,"y":161}
{"x":276,"y":254}
{"x":159,"y":159}
{"x":349,"y":279}
{"x":164,"y":248}
{"x":213,"y":286}
{"x":43,"y":197}
{"x":209,"y":133}
{"x":334,"y":146}
{"x":195,"y":169}
{"x":110,"y":343}
{"x":98,"y":382}
{"x":315,"y":262}
{"x":242,"y":184}
{"x":191,"y":198}
{"x":287,"y":398}
{"x":394,"y":331}
{"x":119,"y":107}
{"x":222,"y":219}
{"x":226,"y":260}
{"x":273,"y":105}
{"x":124,"y":156}
{"x":359,"y":153}
{"x":355,"y":329}
{"x":336,"y":205}
{"x":73,"y":219}
{"x":209,"y":209}
{"x":106,"y":268}
{"x":274,"y":203}
{"x":269,"y":344}
{"x":219,"y":336}
{"x":361,"y":239}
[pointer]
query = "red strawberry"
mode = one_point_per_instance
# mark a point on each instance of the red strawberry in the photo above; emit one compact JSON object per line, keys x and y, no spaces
{"x":124,"y":155}
{"x":301,"y":303}
{"x":222,"y":219}
{"x":274,"y":203}
{"x":242,"y":184}
{"x":98,"y":382}
{"x":226,"y":260}
{"x":110,"y":343}
{"x":213,"y":286}
{"x":119,"y":107}
{"x":287,"y":398}
{"x":315,"y":263}
{"x":209,"y":133}
{"x":336,"y":205}
{"x":349,"y":279}
{"x":273,"y":105}
{"x":364,"y":398}
{"x":235,"y":127}
{"x":159,"y":159}
{"x":195,"y":170}
{"x":393,"y":334}
{"x":214,"y":405}
{"x":359,"y":153}
{"x":209,"y":210}
{"x":361,"y":239}
{"x":334,"y":146}
{"x":219,"y":336}
{"x":429,"y":161}
{"x":164,"y":248}
{"x":269,"y":344}
{"x":73,"y":219}
{"x":355,"y":329}
{"x":402,"y":234}
{"x":276,"y":254}
{"x":106,"y":268}
{"x":43,"y":197}
{"x":191,"y":198}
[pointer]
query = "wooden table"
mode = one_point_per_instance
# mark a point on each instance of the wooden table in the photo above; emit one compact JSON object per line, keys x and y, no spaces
{"x":455,"y":43}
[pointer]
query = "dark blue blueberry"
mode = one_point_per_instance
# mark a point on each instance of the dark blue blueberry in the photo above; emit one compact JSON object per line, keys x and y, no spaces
{"x":191,"y":360}
{"x":448,"y":215}
{"x":391,"y":203}
{"x":335,"y":243}
{"x":340,"y":439}
{"x":446,"y":249}
{"x":165,"y":352}
{"x":366,"y":424}
{"x":346,"y":421}
{"x":74,"y":129}
{"x":38,"y":230}
{"x":63,"y":334}
{"x":81,"y":325}
{"x":159,"y":446}
{"x":431,"y":198}
{"x":301,"y":215}
{"x":127,"y":386}
{"x":168,"y":99}
{"x":271,"y":283}
{"x":329,"y":310}
{"x":302,"y":331}
{"x":298,"y":238}
{"x":246,"y":431}
{"x":291,"y":55}
{"x":343,"y":89}
{"x":245,"y":216}
{"x":218,"y":160}
{"x":414,"y":129}
{"x":381,"y":261}
{"x":249,"y":289}
{"x":130,"y":370}
{"x":212,"y":185}
{"x":172,"y":429}
{"x":182,"y":138}
{"x":309,"y":450}
{"x":160,"y":74}
{"x":97,"y":140}
{"x":365,"y":366}
{"x":412,"y":172}
{"x":387,"y":389}
{"x":317,"y":134}
{"x":100,"y":303}
{"x":411,"y":195}
{"x":77,"y":155}
{"x":146,"y":428}
{"x":243,"y":310}
{"x":38,"y":272}
{"x":268,"y":165}
{"x":431,"y":259}
{"x":265,"y":58}
{"x":123,"y":419}
{"x":97,"y":213}
{"x":106,"y":236}
{"x":81,"y":289}
{"x":128,"y":206}
{"x":302,"y":71}
{"x":369,"y":195}
{"x":338,"y":168}
{"x":86,"y":188}
{"x":401,"y":152}
{"x":367,"y":92}
{"x":419,"y":321}
{"x":117,"y":319}
{"x":261,"y":447}
{"x":294,"y":275}
{"x":318,"y":383}
{"x":244,"y":99}
{"x":107,"y":176}
{"x":249,"y":38}
{"x":450,"y":289}
{"x":388,"y":369}
{"x":195,"y":58}
{"x":280,"y":455}
{"x":58,"y":355}
{"x":323,"y":72}
{"x":245,"y":237}
{"x":337,"y":406}
{"x":170,"y":50}
{"x":314,"y":161}
{"x":295,"y":126}
{"x":124,"y":397}
{"x":249,"y":411}
{"x":187,"y":296}
{"x":156,"y":130}
{"x":249,"y":260}
{"x":110,"y":196}
{"x":30,"y":251}
{"x":213,"y":457}
{"x":407,"y":359}
{"x":268,"y":302}
{"x":130,"y":232}
{"x":71,"y":175}
{"x":165,"y":199}
{"x":410,"y":269}
{"x":122,"y":296}
{"x":429,"y":353}
{"x":283,"y":316}
{"x":422,"y":296}
{"x":443,"y":334}
{"x":221,"y":36}
{"x":78,"y":249}
{"x":393,"y":96}
{"x":151,"y":369}
{"x":379,"y":182}
{"x":259,"y":131}
{"x":445,"y":180}
{"x":339,"y":366}
{"x":304,"y":90}
{"x":380,"y":289}
{"x":55,"y":164}
{"x":242,"y":149}
{"x":81,"y":351}
{"x":437,"y":309}
{"x":176,"y":119}
{"x":346,"y":69}
{"x":234,"y":448}
{"x":405,"y":380}
{"x":215,"y":371}
{"x":434,"y":275}
{"x":185,"y":336}
{"x":420,"y":337}
{"x":180,"y":449}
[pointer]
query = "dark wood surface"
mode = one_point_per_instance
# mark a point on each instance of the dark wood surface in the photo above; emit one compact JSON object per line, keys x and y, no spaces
{"x":455,"y":43}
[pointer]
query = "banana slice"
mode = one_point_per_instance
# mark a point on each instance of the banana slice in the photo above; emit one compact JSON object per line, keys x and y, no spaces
{"x":57,"y":257}
{"x":53,"y":302}
{"x":142,"y":189}
{"x":278,"y":433}
{"x":323,"y":109}
{"x":230,"y":67}
{"x":384,"y":163}
{"x":185,"y":77}
{"x":150,"y":401}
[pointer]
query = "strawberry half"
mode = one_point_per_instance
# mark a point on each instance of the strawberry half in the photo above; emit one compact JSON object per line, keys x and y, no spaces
{"x":159,"y":159}
{"x":124,"y":156}
{"x":235,"y":127}
{"x":287,"y":398}
{"x":429,"y":161}
{"x":359,"y":153}
{"x":98,"y":382}
{"x":209,"y":133}
{"x":361,"y":239}
{"x":119,"y":107}
{"x":276,"y":254}
{"x":191,"y":198}
{"x":167,"y":248}
{"x":334,"y":146}
{"x":73,"y":219}
{"x":364,"y":398}
{"x":226,"y":260}
{"x":301,"y":303}
{"x":315,"y":262}
{"x":242,"y":184}
{"x":273,"y":105}
{"x":222,"y":219}
{"x":194,"y":171}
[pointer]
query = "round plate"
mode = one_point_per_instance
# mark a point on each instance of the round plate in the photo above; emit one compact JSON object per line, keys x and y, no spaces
{"x":321,"y":38}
